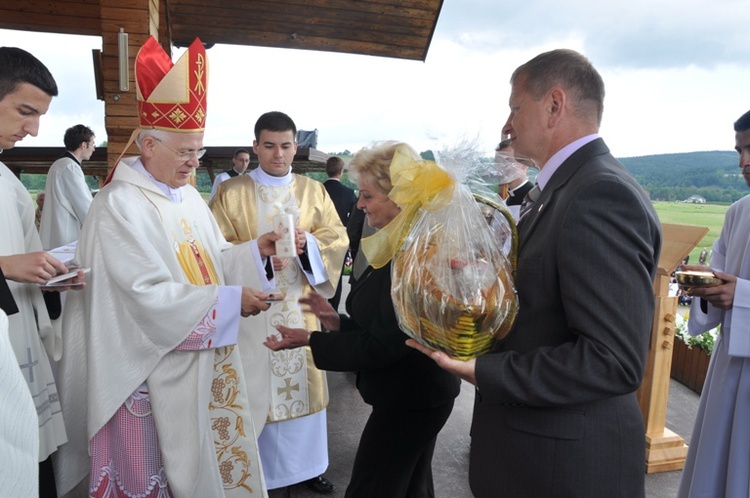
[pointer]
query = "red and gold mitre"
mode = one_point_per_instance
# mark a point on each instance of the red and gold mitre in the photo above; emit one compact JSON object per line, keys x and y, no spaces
{"x":171,"y":97}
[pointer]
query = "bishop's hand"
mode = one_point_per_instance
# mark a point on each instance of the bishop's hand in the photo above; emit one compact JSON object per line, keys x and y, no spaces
{"x":253,"y":302}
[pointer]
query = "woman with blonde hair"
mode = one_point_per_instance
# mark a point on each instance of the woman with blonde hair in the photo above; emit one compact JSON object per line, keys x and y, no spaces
{"x":411,"y":397}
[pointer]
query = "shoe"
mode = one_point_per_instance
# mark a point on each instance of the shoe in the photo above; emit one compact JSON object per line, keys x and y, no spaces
{"x":321,"y":485}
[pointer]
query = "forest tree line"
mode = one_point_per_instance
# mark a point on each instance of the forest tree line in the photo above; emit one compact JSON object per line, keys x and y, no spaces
{"x":713,"y":175}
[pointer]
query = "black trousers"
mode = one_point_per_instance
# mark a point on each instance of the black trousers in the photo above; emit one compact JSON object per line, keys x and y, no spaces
{"x":394,"y":457}
{"x":47,"y":487}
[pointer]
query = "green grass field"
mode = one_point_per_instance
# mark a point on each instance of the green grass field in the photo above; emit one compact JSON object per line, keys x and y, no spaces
{"x":702,"y":215}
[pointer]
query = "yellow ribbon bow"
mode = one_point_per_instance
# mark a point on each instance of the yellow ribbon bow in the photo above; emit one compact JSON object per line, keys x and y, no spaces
{"x":416,"y":184}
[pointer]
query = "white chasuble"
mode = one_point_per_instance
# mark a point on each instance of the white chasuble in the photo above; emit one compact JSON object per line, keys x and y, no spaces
{"x":156,"y":267}
{"x":30,"y":330}
{"x":234,"y":435}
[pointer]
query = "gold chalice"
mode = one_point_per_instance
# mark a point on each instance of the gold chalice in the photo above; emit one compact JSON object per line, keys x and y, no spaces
{"x":689,"y":279}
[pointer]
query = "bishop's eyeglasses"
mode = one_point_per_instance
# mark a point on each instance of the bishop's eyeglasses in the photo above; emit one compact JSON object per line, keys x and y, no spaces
{"x":184,"y":155}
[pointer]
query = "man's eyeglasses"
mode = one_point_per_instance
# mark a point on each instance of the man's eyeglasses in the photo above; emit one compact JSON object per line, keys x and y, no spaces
{"x":184,"y":155}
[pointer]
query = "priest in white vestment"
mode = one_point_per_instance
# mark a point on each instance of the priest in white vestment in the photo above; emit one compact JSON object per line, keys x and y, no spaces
{"x":152,"y":383}
{"x":717,"y":462}
{"x":31,"y":425}
{"x":67,"y":196}
{"x":294,"y":394}
{"x":32,"y":334}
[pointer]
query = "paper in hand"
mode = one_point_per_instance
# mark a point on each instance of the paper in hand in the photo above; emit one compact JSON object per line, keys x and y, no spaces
{"x":61,"y":280}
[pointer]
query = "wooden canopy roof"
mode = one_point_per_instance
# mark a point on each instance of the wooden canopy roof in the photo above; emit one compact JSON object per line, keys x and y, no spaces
{"x":389,"y":28}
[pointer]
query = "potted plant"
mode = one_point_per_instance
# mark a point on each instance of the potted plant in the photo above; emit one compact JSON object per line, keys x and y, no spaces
{"x":691,"y":355}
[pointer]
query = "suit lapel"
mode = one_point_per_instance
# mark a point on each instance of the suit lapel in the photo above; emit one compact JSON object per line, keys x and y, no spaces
{"x":558,"y":180}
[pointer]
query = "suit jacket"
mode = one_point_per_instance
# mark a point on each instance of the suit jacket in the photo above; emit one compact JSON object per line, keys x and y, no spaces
{"x":343,"y":198}
{"x":389,"y":373}
{"x":516,"y":198}
{"x":555,"y":412}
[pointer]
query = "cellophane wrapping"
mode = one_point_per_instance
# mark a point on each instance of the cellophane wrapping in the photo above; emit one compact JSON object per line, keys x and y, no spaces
{"x":453,"y":287}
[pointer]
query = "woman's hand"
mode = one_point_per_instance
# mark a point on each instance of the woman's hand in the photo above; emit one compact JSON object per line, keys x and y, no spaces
{"x":290,"y":338}
{"x":322,"y":309}
{"x":252,"y":302}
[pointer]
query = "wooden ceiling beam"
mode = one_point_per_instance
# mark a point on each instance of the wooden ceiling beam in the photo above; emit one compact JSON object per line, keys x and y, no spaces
{"x":275,"y":40}
{"x":389,"y":29}
{"x":306,"y":23}
{"x":427,"y":9}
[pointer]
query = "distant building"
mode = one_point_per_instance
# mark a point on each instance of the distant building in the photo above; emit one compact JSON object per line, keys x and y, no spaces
{"x":695,"y":199}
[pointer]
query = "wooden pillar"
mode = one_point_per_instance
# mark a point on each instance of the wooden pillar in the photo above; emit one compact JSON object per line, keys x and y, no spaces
{"x":139,"y":19}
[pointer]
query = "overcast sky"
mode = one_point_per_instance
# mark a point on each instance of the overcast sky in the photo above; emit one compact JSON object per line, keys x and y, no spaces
{"x":677,"y":75}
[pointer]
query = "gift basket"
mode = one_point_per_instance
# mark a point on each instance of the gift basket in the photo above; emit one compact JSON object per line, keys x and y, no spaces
{"x":452,"y":285}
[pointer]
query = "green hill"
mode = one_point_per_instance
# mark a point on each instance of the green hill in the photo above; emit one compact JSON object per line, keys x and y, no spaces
{"x":672,"y":177}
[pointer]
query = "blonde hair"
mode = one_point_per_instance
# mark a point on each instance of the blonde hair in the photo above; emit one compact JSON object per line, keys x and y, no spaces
{"x":374,"y":163}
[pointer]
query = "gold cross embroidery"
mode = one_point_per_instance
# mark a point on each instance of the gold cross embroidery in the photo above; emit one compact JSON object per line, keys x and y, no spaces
{"x":288,"y":388}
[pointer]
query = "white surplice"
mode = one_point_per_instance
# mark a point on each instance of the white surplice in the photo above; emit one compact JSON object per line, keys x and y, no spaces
{"x":122,"y":333}
{"x":31,"y":332}
{"x":67,"y":199}
{"x":717,"y":462}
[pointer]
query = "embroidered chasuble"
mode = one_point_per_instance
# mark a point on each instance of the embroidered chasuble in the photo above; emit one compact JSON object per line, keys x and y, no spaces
{"x":140,"y":341}
{"x":244,"y":209}
{"x":229,"y":409}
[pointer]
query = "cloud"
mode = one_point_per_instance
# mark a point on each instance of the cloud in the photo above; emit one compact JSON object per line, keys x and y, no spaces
{"x":633,"y":34}
{"x":676,"y":75}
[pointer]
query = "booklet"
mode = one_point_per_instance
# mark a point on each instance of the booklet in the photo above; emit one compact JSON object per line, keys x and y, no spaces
{"x":65,"y":254}
{"x":60,"y":280}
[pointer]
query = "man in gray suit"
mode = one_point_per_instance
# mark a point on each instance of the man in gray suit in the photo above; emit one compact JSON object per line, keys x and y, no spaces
{"x":555,"y":411}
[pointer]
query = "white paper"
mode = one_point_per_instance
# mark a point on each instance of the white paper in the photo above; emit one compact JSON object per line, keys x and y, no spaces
{"x":60,"y":280}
